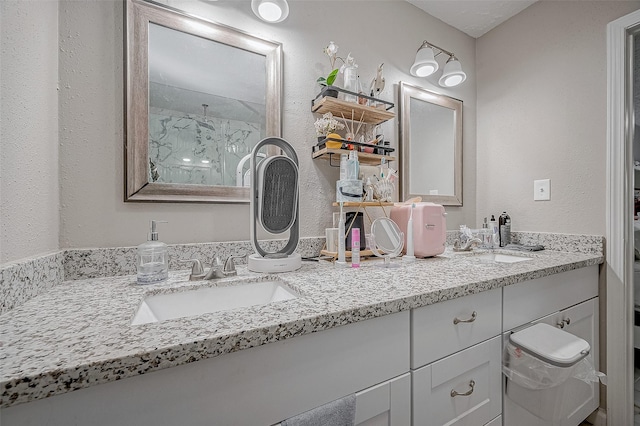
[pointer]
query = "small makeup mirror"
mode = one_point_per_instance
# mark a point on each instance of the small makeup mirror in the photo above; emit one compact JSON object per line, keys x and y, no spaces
{"x":387,"y":240}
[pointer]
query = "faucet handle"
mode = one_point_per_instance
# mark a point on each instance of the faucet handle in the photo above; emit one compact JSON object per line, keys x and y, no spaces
{"x":197,"y":273}
{"x":215,"y":271}
{"x":230,"y":266}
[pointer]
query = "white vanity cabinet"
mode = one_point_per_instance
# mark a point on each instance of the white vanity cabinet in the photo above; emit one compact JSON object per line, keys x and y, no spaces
{"x":386,"y":404}
{"x":456,"y":361}
{"x":461,"y":389}
{"x":253,"y":387}
{"x":573,"y":297}
{"x":582,"y":321}
{"x":435,"y":365}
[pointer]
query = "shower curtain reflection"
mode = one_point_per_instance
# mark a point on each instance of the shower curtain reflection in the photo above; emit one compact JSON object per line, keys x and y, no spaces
{"x":199,"y":147}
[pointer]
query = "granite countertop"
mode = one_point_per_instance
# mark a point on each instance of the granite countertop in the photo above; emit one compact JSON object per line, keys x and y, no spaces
{"x":79,"y":333}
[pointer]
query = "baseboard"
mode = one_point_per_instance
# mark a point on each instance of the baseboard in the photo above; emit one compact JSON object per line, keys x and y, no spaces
{"x":598,"y":417}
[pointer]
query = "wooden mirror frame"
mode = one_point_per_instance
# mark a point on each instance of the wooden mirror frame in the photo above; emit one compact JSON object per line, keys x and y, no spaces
{"x":139,"y":14}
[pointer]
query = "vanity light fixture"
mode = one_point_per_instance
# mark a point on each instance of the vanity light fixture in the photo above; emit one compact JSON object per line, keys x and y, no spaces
{"x":272,"y":11}
{"x":426,"y":64}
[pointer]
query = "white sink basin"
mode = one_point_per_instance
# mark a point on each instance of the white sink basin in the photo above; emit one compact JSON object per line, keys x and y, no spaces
{"x":501,"y":258}
{"x":210,"y":299}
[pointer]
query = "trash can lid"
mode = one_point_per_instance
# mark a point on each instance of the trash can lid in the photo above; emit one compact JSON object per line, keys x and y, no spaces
{"x":550,"y":344}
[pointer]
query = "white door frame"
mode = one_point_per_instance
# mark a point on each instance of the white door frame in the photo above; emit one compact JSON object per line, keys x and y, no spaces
{"x":619,"y":237}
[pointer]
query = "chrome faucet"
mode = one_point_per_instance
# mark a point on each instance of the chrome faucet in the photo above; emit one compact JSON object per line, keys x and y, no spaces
{"x":467,"y":245}
{"x":216,"y":271}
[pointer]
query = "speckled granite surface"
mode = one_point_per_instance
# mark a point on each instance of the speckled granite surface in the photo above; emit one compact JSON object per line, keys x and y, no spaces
{"x":78,"y":334}
{"x":20,"y":281}
{"x":24,"y":279}
{"x":574,"y":243}
{"x":119,"y":261}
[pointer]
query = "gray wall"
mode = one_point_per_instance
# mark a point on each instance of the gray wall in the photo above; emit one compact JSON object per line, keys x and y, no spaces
{"x":542,"y":104}
{"x":29,"y":196}
{"x":541,"y":109}
{"x":91,"y":119}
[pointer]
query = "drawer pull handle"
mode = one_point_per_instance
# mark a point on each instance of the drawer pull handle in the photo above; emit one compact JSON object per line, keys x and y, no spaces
{"x":467,"y":393}
{"x":457,"y":320}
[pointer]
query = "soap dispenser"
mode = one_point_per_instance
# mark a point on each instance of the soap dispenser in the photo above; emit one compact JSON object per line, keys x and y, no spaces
{"x":152,"y":260}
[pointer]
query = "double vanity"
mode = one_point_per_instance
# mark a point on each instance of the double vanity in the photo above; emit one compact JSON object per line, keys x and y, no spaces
{"x":418,"y":344}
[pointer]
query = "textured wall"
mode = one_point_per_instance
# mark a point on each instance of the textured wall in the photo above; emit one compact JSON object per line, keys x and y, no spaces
{"x":542,"y":103}
{"x":91,"y":117}
{"x":29,"y":196}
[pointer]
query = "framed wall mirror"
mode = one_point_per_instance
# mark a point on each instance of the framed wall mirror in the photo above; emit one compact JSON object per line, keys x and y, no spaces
{"x":199,"y":97}
{"x":430,"y":146}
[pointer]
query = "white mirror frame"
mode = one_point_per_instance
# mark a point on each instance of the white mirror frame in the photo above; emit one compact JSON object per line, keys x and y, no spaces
{"x":138,"y":16}
{"x":406,"y":93}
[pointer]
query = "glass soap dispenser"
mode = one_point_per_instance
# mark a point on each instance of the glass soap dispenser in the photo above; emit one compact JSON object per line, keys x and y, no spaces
{"x":152,"y":260}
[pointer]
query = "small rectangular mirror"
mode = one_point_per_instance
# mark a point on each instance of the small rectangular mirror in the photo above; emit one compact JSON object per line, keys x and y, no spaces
{"x":199,"y":97}
{"x":430,"y":146}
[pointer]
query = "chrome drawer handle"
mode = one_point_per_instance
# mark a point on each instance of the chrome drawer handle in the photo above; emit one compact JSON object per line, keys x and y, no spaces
{"x":564,"y":322}
{"x":467,"y":393}
{"x":457,"y":320}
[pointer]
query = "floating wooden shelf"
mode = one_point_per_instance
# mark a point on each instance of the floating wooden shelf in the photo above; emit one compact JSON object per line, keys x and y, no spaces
{"x":363,"y":157}
{"x":351,"y":110}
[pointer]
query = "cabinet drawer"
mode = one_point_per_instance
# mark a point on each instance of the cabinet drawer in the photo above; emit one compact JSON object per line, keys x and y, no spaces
{"x":527,"y":301}
{"x":434,"y":401}
{"x":388,"y":403}
{"x":435,"y":332}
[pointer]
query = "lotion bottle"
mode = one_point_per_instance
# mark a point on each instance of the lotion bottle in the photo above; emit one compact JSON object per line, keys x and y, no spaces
{"x":343,"y":166}
{"x":505,"y":229}
{"x":493,"y":228}
{"x":152,"y":260}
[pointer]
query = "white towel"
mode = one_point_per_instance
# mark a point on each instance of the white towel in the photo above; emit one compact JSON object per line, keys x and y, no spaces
{"x":341,"y":412}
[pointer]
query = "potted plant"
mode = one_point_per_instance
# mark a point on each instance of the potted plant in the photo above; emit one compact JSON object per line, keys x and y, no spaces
{"x":327,"y":82}
{"x":326,"y":125}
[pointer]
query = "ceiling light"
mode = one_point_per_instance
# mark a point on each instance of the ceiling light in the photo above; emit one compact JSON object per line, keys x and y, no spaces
{"x":272,"y":11}
{"x":186,"y":160}
{"x":205,"y":161}
{"x":452,"y":75}
{"x":425,"y":64}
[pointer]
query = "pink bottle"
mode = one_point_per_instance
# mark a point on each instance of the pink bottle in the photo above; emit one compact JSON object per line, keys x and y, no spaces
{"x":355,"y":247}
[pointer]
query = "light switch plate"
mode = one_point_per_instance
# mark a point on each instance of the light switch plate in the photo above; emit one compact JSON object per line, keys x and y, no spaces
{"x":542,"y":190}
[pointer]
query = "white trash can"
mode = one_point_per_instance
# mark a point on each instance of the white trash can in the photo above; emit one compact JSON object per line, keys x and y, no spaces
{"x":538,"y":362}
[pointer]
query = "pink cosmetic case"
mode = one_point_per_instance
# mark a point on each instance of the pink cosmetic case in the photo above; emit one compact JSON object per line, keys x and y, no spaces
{"x":429,"y":227}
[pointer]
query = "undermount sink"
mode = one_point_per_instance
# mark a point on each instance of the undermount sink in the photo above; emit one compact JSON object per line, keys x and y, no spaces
{"x":502,"y":258}
{"x":204,"y":300}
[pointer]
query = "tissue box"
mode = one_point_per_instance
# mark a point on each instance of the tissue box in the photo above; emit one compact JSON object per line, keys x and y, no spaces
{"x":348,"y":190}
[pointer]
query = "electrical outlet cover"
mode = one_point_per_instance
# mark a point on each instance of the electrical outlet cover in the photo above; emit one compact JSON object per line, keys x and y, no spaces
{"x":542,"y":190}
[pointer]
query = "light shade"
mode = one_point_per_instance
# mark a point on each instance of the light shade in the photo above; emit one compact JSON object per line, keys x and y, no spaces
{"x":425,"y":63}
{"x":452,"y":75}
{"x":272,"y":11}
